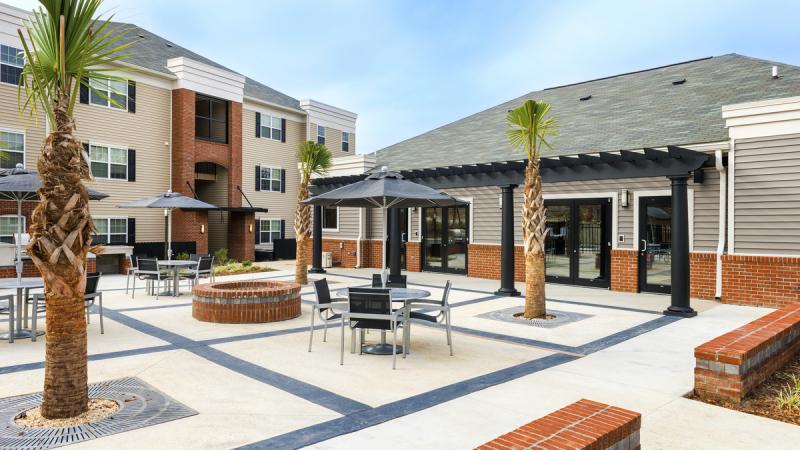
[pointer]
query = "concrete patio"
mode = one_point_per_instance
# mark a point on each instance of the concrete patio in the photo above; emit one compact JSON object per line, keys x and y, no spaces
{"x":258,"y":385}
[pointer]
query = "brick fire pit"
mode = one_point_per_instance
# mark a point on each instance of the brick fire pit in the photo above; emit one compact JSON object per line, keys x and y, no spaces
{"x":246,"y":301}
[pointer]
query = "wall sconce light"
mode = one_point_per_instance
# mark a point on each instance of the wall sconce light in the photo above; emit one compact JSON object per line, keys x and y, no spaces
{"x":202,"y":228}
{"x":250,"y":227}
{"x":623,"y":198}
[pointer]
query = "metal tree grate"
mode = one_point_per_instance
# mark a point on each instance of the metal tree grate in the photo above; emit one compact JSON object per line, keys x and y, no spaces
{"x":561,"y":317}
{"x":141,"y":405}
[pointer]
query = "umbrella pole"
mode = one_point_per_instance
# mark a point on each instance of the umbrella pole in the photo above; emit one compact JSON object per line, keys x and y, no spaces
{"x":383,"y":247}
{"x":19,"y":238}
{"x":169,"y":237}
{"x":166,"y":234}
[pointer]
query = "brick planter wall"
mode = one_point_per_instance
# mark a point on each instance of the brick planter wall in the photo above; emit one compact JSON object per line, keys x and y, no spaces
{"x":731,"y":365}
{"x":624,"y":270}
{"x":584,"y":424}
{"x":760,"y":280}
{"x":246,"y":301}
{"x":483,"y":261}
{"x":703,"y":274}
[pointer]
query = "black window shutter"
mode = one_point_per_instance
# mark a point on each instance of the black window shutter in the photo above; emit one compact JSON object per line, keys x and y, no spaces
{"x":131,"y":96}
{"x":131,"y":231}
{"x":283,"y":130}
{"x":258,"y":178}
{"x":258,"y":124}
{"x":131,"y":164}
{"x":283,"y":229}
{"x":84,"y":90}
{"x":258,"y":231}
{"x":283,"y":180}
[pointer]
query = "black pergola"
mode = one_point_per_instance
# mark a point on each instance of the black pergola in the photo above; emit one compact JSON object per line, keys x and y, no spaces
{"x":675,"y":163}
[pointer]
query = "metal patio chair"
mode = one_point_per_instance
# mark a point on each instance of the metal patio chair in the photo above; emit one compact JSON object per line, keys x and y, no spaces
{"x":323,"y":309}
{"x":392,"y":282}
{"x":89,"y":297}
{"x":424,"y":307}
{"x":203,"y":269}
{"x":7,"y":307}
{"x":371,"y":309}
{"x":149,"y":271}
{"x":133,"y":266}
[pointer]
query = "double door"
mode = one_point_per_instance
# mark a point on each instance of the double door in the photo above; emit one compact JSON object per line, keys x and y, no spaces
{"x":578,"y":241}
{"x":445,"y":235}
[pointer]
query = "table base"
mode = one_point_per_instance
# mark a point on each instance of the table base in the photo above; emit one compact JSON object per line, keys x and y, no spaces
{"x":381,"y":349}
{"x":23,"y":334}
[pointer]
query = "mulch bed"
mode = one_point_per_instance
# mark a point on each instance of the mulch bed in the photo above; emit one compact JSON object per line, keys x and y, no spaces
{"x":99,"y":409}
{"x":762,"y":401}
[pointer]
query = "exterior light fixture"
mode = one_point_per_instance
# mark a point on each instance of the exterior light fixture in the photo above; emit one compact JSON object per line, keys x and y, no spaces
{"x":202,"y":228}
{"x":623,"y":198}
{"x":250,"y":227}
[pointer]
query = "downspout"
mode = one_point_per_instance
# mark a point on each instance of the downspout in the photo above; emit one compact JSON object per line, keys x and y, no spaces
{"x":723,"y":209}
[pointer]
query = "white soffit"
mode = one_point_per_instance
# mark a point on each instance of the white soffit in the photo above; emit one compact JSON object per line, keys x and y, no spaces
{"x":329,"y":116}
{"x":206,"y":79}
{"x":763,"y":118}
{"x":350,"y":165}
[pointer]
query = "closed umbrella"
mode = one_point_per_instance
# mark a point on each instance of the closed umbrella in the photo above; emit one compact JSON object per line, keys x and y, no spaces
{"x":384,"y":190}
{"x":168,"y":201}
{"x":20,"y":184}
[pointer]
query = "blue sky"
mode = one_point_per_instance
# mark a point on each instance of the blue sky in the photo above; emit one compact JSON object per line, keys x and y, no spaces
{"x":410,"y":66}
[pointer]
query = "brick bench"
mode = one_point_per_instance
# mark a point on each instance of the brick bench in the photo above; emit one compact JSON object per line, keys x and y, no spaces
{"x":731,"y":365}
{"x":582,"y":425}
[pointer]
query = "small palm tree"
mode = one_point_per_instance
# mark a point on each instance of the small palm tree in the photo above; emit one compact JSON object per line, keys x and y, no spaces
{"x":529,"y":126}
{"x":314,"y":158}
{"x":64,"y":45}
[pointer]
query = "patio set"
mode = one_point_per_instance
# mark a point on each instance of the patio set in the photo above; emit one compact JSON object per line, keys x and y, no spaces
{"x":171,"y":271}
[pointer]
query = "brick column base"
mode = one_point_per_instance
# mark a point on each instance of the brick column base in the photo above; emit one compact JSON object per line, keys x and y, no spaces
{"x":241,"y":236}
{"x":624,"y":270}
{"x":413,"y":256}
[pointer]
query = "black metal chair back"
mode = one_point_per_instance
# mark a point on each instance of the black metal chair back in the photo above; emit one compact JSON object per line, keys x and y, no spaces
{"x":370,"y":301}
{"x":446,"y":292}
{"x":322,"y":290}
{"x":134,"y":261}
{"x":197,"y":256}
{"x":204,"y":263}
{"x":391,"y":282}
{"x":148,"y":265}
{"x":92,"y":278}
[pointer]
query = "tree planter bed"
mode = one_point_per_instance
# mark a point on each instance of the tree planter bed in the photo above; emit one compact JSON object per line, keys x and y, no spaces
{"x":246,"y":301}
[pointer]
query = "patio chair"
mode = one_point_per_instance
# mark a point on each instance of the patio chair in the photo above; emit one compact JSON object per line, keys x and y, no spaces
{"x":323,"y":309}
{"x":133,"y":266}
{"x":371,"y":309}
{"x":7,"y":308}
{"x":392,"y":282}
{"x":149,"y":271}
{"x":203,"y":269}
{"x":197,"y":256}
{"x":89,"y":297}
{"x":424,"y":307}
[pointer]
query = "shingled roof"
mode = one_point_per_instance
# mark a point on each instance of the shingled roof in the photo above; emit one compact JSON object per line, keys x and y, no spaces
{"x":671,"y":105}
{"x":152,"y":51}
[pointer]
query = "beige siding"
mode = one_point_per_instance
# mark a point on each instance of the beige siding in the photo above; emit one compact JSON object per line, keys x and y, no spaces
{"x":147,"y":131}
{"x":333,"y":140}
{"x":767,"y":195}
{"x":10,"y":121}
{"x":268,"y":152}
{"x":348,"y":225}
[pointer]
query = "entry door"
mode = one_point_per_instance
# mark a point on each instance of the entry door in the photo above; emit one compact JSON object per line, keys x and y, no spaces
{"x":578,"y":241}
{"x":445,"y":235}
{"x":403,"y":237}
{"x":655,"y":244}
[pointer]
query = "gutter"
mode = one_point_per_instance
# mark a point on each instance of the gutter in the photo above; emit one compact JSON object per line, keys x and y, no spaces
{"x":723,"y":203}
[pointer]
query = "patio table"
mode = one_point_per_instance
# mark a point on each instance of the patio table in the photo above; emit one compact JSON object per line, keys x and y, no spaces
{"x":21,"y":286}
{"x":404,"y":295}
{"x":175,"y":265}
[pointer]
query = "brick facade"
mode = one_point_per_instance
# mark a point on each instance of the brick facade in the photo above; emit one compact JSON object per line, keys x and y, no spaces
{"x":624,"y":270}
{"x":344,"y":252}
{"x":731,"y":365}
{"x":585,"y":424}
{"x":703,"y":274}
{"x":413,"y":257}
{"x":29,"y":269}
{"x":241,"y":236}
{"x":760,"y":280}
{"x":483,"y":261}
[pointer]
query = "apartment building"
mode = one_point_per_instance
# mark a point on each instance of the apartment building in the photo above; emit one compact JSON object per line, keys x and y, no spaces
{"x":185,"y":123}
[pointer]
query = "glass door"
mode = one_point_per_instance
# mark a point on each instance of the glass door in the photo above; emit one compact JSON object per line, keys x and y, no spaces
{"x":655,"y":244}
{"x":445,"y":235}
{"x":558,"y":242}
{"x":403,"y":213}
{"x":578,"y":241}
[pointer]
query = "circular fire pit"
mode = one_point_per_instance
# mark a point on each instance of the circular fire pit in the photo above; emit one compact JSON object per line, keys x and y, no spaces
{"x":246,"y":301}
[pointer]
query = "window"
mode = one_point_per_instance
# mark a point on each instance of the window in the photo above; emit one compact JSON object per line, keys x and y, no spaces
{"x":270,"y":179}
{"x":109,"y":162}
{"x":111,"y":94}
{"x":320,"y":135}
{"x":12,"y":149}
{"x":345,"y":141}
{"x":110,"y":230}
{"x":271,"y":127}
{"x":330,"y":218}
{"x":270,"y":230}
{"x":211,"y":119}
{"x":8,"y":228}
{"x":11,"y":62}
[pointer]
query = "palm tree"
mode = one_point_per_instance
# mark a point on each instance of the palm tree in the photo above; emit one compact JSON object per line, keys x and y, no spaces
{"x":529,"y":126}
{"x":314,"y":158}
{"x":64,"y":46}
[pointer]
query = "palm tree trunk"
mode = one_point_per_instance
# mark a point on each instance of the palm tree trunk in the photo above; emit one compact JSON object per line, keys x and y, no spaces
{"x":61,"y":234}
{"x":533,"y":227}
{"x":302,"y":221}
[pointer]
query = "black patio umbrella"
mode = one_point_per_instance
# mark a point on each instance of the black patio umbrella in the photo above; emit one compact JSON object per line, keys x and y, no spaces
{"x":20,"y":185}
{"x":384,"y":190}
{"x":168,"y":201}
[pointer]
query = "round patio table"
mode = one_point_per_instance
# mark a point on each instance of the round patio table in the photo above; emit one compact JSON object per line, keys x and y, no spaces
{"x":175,"y":265}
{"x":21,"y":286}
{"x":404,"y":295}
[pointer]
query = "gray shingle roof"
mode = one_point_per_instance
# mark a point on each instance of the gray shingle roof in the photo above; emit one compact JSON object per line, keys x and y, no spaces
{"x":152,"y":51}
{"x":628,"y":111}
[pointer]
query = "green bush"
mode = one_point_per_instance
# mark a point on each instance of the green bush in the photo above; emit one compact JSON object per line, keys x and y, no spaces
{"x":183,"y":256}
{"x":247,"y":263}
{"x":221,"y":255}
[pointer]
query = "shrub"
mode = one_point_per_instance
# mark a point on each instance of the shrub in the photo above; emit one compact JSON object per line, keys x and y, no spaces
{"x":221,"y":255}
{"x":182,"y":256}
{"x":788,"y":398}
{"x":247,"y":263}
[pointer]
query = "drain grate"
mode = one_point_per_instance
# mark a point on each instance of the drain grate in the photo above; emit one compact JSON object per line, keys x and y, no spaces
{"x":141,"y":405}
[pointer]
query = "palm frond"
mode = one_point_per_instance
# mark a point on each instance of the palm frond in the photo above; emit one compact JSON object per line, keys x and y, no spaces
{"x":529,"y":127}
{"x":314,"y":158}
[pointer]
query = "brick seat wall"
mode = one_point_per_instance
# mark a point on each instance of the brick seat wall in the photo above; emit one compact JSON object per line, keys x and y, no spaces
{"x":731,"y":365}
{"x":584,"y":424}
